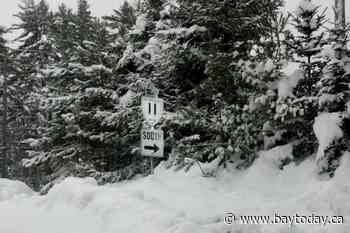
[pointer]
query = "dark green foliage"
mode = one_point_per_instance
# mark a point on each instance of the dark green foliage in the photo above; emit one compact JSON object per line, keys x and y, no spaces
{"x":123,"y":19}
{"x":35,"y":21}
{"x":296,"y":113}
{"x":211,"y":75}
{"x":82,"y":130}
{"x":334,"y":94}
{"x":217,"y":65}
{"x":225,"y":20}
{"x":307,"y":44}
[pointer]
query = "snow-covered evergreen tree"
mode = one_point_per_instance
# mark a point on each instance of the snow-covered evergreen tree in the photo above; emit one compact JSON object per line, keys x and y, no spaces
{"x":200,"y":72}
{"x":334,"y":96}
{"x":5,"y":106}
{"x":122,"y":20}
{"x":34,"y":24}
{"x":87,"y":127}
{"x":217,"y":64}
{"x":34,"y":52}
{"x":307,"y":44}
{"x":63,"y":31}
{"x":297,"y":104}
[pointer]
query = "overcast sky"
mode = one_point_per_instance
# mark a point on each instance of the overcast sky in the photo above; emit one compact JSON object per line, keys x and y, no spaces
{"x":102,"y":7}
{"x":99,"y":8}
{"x":105,"y":7}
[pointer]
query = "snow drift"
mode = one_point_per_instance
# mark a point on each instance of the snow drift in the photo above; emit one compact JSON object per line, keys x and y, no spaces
{"x":10,"y":189}
{"x":179,"y":202}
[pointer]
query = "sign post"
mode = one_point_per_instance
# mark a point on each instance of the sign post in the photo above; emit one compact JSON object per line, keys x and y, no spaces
{"x":152,"y":140}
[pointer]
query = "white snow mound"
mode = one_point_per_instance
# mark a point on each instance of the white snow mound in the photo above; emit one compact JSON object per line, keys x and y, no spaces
{"x":327,"y":130}
{"x":10,"y":189}
{"x":180,"y":202}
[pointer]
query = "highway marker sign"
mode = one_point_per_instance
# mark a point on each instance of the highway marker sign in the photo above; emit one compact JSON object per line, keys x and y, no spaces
{"x":152,"y":108}
{"x":152,"y":143}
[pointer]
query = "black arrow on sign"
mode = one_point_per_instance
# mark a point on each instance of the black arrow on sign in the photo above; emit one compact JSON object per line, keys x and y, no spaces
{"x":155,"y":148}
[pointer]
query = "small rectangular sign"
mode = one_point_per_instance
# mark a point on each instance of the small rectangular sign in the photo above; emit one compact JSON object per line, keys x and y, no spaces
{"x":152,"y":108}
{"x":152,"y":143}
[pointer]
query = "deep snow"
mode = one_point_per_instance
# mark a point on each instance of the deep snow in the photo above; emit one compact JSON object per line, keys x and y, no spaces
{"x":180,"y":202}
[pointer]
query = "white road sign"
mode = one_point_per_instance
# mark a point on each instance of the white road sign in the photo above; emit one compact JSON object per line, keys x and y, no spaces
{"x":152,"y":143}
{"x":152,"y":108}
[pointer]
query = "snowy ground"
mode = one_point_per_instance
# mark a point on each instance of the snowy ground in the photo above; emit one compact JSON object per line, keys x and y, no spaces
{"x":179,"y":202}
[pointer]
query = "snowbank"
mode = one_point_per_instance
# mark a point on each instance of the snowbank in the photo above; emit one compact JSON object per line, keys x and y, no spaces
{"x":334,"y":196}
{"x":180,"y":202}
{"x":327,"y":130}
{"x":11,"y":189}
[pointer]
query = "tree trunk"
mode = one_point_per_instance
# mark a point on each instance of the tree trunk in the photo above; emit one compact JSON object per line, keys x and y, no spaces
{"x":4,"y":164}
{"x":340,"y":13}
{"x":340,"y":25}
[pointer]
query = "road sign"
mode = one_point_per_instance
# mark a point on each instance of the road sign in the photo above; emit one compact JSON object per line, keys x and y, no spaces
{"x":152,"y":143}
{"x":152,"y":108}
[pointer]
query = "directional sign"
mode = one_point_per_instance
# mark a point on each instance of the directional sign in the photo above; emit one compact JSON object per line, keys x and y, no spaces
{"x":152,"y":108}
{"x":152,"y":143}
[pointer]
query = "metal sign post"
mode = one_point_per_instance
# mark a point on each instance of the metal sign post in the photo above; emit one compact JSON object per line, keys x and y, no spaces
{"x":152,"y":167}
{"x":152,"y":140}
